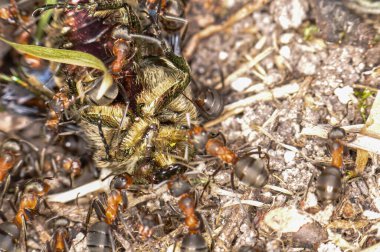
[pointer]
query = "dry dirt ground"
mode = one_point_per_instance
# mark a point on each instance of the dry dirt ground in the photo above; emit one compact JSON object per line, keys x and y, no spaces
{"x":282,"y":77}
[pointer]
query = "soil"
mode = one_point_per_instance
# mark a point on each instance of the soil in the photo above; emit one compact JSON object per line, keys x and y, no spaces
{"x":307,"y":63}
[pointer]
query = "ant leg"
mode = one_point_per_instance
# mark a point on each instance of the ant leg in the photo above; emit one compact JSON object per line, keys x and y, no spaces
{"x":232,"y":177}
{"x":113,"y":247}
{"x":13,"y":207}
{"x":46,"y":205}
{"x":101,"y":133}
{"x":3,"y":217}
{"x":174,"y":210}
{"x":209,"y":180}
{"x":17,"y":168}
{"x":124,"y":224}
{"x":6,"y":186}
{"x":66,"y":245}
{"x":23,"y":245}
{"x":125,"y":198}
{"x":100,"y":214}
{"x":103,"y":198}
{"x":99,"y":210}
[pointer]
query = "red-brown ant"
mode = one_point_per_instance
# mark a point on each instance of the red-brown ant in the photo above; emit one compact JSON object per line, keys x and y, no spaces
{"x":109,"y":211}
{"x":249,"y":170}
{"x":329,"y":183}
{"x":193,"y":241}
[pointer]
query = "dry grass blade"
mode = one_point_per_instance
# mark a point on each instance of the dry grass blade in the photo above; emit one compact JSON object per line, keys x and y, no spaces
{"x":71,"y":57}
{"x":371,"y":129}
{"x":238,"y":107}
{"x":362,"y":142}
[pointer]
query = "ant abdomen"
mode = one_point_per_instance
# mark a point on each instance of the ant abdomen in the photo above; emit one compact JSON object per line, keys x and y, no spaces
{"x":329,"y":185}
{"x":9,"y":234}
{"x":252,"y":171}
{"x":211,"y":103}
{"x":98,"y":237}
{"x":194,"y":242}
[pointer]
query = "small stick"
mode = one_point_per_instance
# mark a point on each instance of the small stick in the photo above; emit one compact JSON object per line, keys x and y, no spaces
{"x":238,"y":107}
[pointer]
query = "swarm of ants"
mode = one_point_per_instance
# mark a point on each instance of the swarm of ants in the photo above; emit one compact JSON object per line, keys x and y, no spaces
{"x":145,"y":130}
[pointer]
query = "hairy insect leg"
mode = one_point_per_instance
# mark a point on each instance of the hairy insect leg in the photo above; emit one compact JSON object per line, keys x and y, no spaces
{"x":101,"y":133}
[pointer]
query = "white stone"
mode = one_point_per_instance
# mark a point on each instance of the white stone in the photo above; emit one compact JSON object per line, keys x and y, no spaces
{"x":285,"y":52}
{"x":241,"y":83}
{"x":344,"y":94}
{"x":223,"y":55}
{"x":289,"y":156}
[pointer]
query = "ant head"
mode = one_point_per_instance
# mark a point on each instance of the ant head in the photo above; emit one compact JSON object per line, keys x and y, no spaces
{"x":336,"y":133}
{"x":121,"y":181}
{"x":198,"y":137}
{"x":179,"y":186}
{"x":12,"y":145}
{"x":57,"y":222}
{"x":36,"y":186}
{"x":252,"y":171}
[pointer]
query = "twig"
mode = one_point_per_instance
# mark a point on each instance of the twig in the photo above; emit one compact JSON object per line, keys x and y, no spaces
{"x":78,"y":192}
{"x":244,"y":12}
{"x":244,"y":202}
{"x":275,"y":93}
{"x":247,"y":66}
{"x":361,"y":141}
{"x":279,"y":189}
{"x":238,"y":107}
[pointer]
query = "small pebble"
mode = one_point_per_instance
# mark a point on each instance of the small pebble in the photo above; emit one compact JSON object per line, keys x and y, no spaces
{"x":241,"y":83}
{"x":344,"y":94}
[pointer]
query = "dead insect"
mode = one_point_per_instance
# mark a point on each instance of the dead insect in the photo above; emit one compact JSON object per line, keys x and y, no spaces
{"x":147,"y":89}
